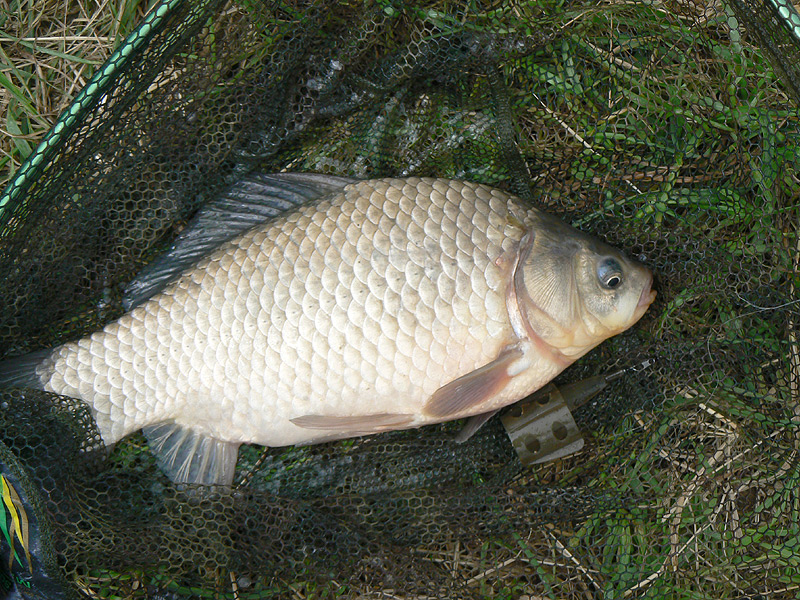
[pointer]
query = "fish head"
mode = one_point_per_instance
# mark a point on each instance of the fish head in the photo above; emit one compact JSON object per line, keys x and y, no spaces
{"x":573,"y":290}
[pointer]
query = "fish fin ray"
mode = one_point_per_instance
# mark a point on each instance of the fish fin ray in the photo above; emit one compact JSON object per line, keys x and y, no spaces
{"x":187,"y":456}
{"x":361,"y":424}
{"x":253,"y":200}
{"x":473,"y":424}
{"x":470,"y":391}
{"x":20,"y":371}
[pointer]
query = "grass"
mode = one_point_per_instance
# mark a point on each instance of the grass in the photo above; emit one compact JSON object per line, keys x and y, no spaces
{"x":48,"y":52}
{"x":668,"y":133}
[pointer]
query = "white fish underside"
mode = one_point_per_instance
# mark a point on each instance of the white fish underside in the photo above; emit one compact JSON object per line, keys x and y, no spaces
{"x":363,"y":304}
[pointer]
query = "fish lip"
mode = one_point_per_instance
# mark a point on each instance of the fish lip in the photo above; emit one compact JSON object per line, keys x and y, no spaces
{"x":646,"y":299}
{"x":648,"y":295}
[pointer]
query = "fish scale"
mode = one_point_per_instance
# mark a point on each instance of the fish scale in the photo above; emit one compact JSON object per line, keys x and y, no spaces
{"x":378,"y":305}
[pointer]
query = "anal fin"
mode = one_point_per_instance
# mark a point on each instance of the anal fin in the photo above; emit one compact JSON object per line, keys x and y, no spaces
{"x":187,"y":456}
{"x":470,"y":391}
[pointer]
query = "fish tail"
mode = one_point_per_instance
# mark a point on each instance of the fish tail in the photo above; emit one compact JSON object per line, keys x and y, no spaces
{"x":23,"y":371}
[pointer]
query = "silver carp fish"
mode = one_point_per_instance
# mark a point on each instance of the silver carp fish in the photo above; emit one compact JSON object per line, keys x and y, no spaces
{"x":302,"y":308}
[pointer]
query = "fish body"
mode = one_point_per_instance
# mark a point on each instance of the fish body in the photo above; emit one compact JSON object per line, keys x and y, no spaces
{"x":381,"y":304}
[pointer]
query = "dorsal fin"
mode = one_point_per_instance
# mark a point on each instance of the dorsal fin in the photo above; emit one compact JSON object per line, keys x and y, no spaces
{"x":253,"y":200}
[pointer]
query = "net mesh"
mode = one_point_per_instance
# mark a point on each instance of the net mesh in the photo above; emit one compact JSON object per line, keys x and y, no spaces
{"x":668,"y":128}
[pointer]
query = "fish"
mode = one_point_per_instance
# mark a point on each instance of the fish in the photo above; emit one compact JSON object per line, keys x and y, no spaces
{"x":302,"y":308}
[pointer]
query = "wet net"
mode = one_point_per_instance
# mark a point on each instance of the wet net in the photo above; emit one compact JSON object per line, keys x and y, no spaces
{"x":669,"y":128}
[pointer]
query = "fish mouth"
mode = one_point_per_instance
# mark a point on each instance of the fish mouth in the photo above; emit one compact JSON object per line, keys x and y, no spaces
{"x":646,"y":299}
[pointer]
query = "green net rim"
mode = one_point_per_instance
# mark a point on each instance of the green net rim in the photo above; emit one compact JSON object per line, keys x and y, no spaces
{"x":86,"y":98}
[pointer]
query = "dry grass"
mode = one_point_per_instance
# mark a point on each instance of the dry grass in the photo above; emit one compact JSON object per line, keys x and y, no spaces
{"x":49,"y":50}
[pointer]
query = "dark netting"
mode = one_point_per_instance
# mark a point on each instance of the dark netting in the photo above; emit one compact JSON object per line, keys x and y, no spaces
{"x":669,"y":128}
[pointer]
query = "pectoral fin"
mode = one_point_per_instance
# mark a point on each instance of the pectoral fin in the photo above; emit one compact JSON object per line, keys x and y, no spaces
{"x":473,"y":424}
{"x":469,"y":392}
{"x":187,"y":456}
{"x":361,"y":424}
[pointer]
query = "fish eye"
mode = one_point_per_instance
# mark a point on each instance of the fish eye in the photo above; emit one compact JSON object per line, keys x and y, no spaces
{"x":609,"y":272}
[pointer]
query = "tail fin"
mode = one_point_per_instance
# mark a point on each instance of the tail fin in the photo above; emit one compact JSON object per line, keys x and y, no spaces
{"x":21,"y":370}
